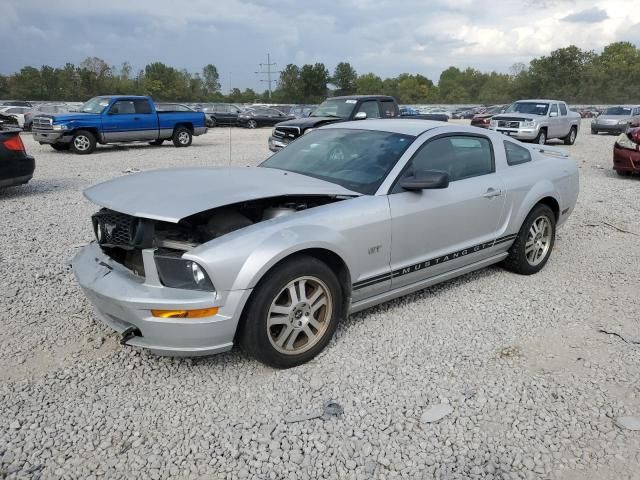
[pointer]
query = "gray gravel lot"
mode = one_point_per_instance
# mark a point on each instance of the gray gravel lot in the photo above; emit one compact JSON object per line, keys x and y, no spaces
{"x":533,"y":386}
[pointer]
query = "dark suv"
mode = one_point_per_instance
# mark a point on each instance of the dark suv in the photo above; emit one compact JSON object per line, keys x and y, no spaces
{"x":221,"y":114}
{"x":332,"y":110}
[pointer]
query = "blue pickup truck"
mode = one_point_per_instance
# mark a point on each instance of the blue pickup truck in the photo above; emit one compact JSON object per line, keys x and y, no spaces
{"x":117,"y":119}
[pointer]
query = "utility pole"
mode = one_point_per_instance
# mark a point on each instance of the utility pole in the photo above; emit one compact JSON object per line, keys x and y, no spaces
{"x":268,"y":65}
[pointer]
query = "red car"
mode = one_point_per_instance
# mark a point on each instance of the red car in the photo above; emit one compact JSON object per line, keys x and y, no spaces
{"x":483,"y":120}
{"x":626,"y":152}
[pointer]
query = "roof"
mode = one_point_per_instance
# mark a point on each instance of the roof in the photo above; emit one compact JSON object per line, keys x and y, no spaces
{"x":540,"y":100}
{"x":361,"y":97}
{"x":404,"y":126}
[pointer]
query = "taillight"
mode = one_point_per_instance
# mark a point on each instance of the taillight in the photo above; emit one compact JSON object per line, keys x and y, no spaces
{"x":14,"y":144}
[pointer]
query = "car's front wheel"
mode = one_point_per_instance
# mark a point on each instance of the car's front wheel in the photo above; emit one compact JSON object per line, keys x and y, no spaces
{"x":252,"y":124}
{"x":571,"y":138}
{"x":541,"y":139}
{"x":83,"y":142}
{"x":292,"y":313}
{"x":532,"y":248}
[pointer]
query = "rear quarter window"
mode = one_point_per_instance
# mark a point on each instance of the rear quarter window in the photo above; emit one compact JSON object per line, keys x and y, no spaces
{"x":516,"y":154}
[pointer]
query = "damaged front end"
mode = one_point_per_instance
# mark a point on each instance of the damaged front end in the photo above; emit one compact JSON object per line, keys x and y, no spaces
{"x":124,"y":237}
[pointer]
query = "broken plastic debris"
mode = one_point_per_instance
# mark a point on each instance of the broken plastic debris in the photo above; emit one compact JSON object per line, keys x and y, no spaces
{"x":435,"y":413}
{"x":329,"y":409}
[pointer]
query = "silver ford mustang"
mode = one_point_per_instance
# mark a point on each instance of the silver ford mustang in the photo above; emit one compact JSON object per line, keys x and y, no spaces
{"x":189,"y":261}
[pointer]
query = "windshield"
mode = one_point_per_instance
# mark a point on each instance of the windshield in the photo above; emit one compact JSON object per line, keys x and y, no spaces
{"x":95,"y":105}
{"x":335,"y":108}
{"x":621,"y":111}
{"x":532,"y":108}
{"x":355,"y":159}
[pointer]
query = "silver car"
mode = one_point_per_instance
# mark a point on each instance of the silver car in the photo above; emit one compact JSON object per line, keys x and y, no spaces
{"x":191,"y":261}
{"x":615,"y":119}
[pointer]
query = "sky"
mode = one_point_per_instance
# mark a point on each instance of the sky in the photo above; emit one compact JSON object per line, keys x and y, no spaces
{"x":387,"y":37}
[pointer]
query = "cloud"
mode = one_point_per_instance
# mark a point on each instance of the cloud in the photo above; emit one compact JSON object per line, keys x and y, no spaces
{"x":591,"y":15}
{"x":379,"y":36}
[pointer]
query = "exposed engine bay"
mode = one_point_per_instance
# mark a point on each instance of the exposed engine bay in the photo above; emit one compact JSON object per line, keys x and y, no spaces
{"x":123,"y":237}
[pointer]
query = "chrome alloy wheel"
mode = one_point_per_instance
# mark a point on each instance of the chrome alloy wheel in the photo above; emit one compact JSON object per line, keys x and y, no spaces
{"x":81,"y":143}
{"x":183,"y":138}
{"x":299,"y":315}
{"x":538,"y":241}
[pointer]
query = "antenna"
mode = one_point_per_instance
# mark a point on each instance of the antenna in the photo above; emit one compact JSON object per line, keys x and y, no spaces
{"x":268,"y":65}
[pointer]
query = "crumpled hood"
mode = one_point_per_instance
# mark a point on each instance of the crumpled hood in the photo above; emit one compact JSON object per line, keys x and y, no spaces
{"x":173,"y":194}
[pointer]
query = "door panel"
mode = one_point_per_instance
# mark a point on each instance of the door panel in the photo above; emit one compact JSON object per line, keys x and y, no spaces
{"x":437,"y":230}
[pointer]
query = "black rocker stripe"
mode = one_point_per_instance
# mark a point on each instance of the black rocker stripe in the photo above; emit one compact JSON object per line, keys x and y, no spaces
{"x":430,"y":263}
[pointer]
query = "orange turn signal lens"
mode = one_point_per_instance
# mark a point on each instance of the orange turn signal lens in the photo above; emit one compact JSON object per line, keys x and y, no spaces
{"x":199,"y":313}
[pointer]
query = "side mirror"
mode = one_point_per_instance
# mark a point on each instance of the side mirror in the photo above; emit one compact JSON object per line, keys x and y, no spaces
{"x":553,"y":114}
{"x":360,"y":116}
{"x":431,"y":179}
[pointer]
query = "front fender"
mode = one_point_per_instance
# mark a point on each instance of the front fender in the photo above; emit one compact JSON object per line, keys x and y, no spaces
{"x":282,"y":244}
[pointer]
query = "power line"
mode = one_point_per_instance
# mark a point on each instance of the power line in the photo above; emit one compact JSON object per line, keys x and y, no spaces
{"x":268,"y":73}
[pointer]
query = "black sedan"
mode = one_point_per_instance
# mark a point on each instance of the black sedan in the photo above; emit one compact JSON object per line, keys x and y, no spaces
{"x":262,"y":116}
{"x":16,"y":167}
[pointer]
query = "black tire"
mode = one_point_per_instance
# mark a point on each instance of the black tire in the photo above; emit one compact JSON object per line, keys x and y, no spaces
{"x":623,"y":173}
{"x":594,"y":132}
{"x":257,"y":338}
{"x":156,"y":143}
{"x":182,"y":137}
{"x":83,"y":142}
{"x":571,"y":138}
{"x":61,"y":147}
{"x":517,"y":261}
{"x":211,"y":122}
{"x":541,"y":139}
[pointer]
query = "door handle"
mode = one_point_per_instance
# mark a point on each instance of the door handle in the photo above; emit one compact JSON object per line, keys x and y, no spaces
{"x":492,"y":192}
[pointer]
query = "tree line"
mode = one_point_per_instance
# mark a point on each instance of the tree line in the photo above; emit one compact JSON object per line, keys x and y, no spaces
{"x":571,"y":74}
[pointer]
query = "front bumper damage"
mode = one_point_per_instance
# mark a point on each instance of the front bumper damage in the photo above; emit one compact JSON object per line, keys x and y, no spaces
{"x":124,"y":302}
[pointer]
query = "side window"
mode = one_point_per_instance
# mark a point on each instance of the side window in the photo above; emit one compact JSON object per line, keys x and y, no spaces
{"x":221,"y":109}
{"x":370,"y":107}
{"x":563,"y":109}
{"x":460,"y":156}
{"x":388,"y":109}
{"x":142,"y":106}
{"x":554,"y":108}
{"x":123,"y":107}
{"x":516,"y":154}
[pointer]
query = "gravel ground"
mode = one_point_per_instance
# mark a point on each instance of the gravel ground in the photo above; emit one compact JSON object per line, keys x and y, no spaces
{"x":533,"y":387}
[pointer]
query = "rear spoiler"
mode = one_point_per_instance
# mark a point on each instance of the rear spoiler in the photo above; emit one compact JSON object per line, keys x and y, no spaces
{"x":550,"y":151}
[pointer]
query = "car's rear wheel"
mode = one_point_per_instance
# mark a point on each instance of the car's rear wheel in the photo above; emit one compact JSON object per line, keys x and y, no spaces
{"x":532,"y":248}
{"x":623,"y":173}
{"x":252,"y":124}
{"x":571,"y":138}
{"x":292,"y":313}
{"x":541,"y":139}
{"x":60,"y":147}
{"x":182,"y":137}
{"x":83,"y":142}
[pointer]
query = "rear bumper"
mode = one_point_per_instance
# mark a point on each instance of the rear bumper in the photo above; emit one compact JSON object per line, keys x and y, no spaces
{"x":625,"y":160}
{"x":16,"y":171}
{"x":124,"y":300}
